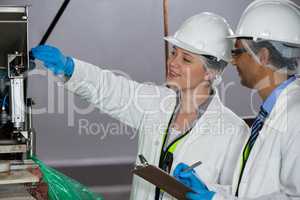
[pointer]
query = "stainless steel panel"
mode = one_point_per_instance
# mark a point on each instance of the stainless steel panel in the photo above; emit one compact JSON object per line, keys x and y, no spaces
{"x":13,"y":32}
{"x":13,"y":149}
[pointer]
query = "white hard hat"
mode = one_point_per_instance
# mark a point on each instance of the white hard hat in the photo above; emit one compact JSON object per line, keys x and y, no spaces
{"x":204,"y":34}
{"x":277,"y":20}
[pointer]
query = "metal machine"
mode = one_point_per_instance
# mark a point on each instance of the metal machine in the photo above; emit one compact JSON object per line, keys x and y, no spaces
{"x":17,"y":143}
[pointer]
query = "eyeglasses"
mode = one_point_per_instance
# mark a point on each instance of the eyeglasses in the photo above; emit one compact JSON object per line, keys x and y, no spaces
{"x":212,"y":58}
{"x":237,"y":52}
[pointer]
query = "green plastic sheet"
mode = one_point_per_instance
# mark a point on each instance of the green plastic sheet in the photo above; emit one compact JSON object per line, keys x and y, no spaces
{"x":62,"y":187}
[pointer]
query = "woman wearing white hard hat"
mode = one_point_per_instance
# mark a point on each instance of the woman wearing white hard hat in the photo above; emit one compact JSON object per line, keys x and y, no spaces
{"x":266,"y":54}
{"x":185,"y":122}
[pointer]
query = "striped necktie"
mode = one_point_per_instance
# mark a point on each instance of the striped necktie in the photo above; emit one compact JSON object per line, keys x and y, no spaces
{"x":255,"y":129}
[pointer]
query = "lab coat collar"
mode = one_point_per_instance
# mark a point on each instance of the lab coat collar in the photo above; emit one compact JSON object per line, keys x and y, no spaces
{"x":213,"y":110}
{"x":272,"y":98}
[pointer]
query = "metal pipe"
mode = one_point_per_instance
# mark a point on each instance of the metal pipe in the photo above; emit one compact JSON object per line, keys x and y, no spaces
{"x":54,"y":22}
{"x":166,"y":31}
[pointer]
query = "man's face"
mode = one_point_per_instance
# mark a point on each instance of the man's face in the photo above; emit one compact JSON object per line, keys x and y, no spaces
{"x":246,"y":66}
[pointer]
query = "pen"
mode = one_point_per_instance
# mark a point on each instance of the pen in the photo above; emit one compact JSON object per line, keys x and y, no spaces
{"x":192,"y":166}
{"x":143,"y":159}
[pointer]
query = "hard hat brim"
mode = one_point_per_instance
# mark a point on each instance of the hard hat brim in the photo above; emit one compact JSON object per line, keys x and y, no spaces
{"x":238,"y":36}
{"x":185,"y":46}
{"x":291,"y":43}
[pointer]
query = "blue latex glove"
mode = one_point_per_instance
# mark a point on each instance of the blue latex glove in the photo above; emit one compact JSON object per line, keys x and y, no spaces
{"x":54,"y":60}
{"x":203,"y":195}
{"x":191,"y":180}
{"x":188,"y":178}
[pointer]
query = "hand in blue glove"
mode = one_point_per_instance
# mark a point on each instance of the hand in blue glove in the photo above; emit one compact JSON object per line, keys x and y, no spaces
{"x":188,"y":178}
{"x":191,"y":180}
{"x":203,"y":195}
{"x":54,"y":60}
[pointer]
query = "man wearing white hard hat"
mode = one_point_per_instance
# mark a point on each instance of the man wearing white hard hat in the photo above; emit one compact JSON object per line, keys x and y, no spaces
{"x":184,"y":122}
{"x":266,"y":55}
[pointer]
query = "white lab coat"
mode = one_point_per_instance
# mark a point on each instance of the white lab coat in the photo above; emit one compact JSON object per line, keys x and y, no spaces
{"x":273,"y":169}
{"x":216,"y":139}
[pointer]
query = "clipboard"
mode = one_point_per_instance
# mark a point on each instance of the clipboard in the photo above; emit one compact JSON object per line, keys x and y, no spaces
{"x":161,"y":179}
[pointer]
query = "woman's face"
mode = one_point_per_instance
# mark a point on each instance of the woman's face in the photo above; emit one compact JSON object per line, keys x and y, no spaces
{"x":185,"y":70}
